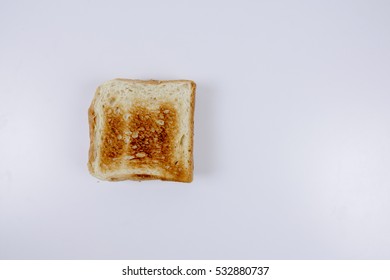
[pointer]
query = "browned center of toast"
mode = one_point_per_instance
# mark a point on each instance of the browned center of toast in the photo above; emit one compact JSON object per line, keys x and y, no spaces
{"x":139,"y":137}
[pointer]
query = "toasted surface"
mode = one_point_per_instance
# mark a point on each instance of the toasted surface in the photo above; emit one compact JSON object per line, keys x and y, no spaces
{"x":142,"y":130}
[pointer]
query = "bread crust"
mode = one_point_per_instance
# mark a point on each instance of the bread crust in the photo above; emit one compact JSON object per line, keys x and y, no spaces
{"x":186,"y":175}
{"x":192,"y":114}
{"x":92,"y":128}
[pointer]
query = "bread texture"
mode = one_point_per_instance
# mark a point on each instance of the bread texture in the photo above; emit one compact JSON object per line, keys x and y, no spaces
{"x":142,"y":130}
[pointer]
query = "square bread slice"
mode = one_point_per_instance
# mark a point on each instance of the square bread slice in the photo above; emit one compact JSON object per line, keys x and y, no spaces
{"x":142,"y":130}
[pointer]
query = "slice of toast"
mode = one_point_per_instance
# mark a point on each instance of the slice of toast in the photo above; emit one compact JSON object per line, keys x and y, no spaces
{"x":142,"y":130}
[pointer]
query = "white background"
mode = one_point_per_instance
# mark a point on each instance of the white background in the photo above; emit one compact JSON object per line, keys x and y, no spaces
{"x":292,"y":129}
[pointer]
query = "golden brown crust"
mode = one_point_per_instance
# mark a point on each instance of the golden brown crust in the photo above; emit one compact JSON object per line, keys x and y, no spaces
{"x":155,"y":82}
{"x":136,"y":177}
{"x":141,"y":138}
{"x":192,"y":116}
{"x":92,"y":127}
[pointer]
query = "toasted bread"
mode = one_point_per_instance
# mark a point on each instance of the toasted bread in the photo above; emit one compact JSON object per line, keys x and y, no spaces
{"x":142,"y":130}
